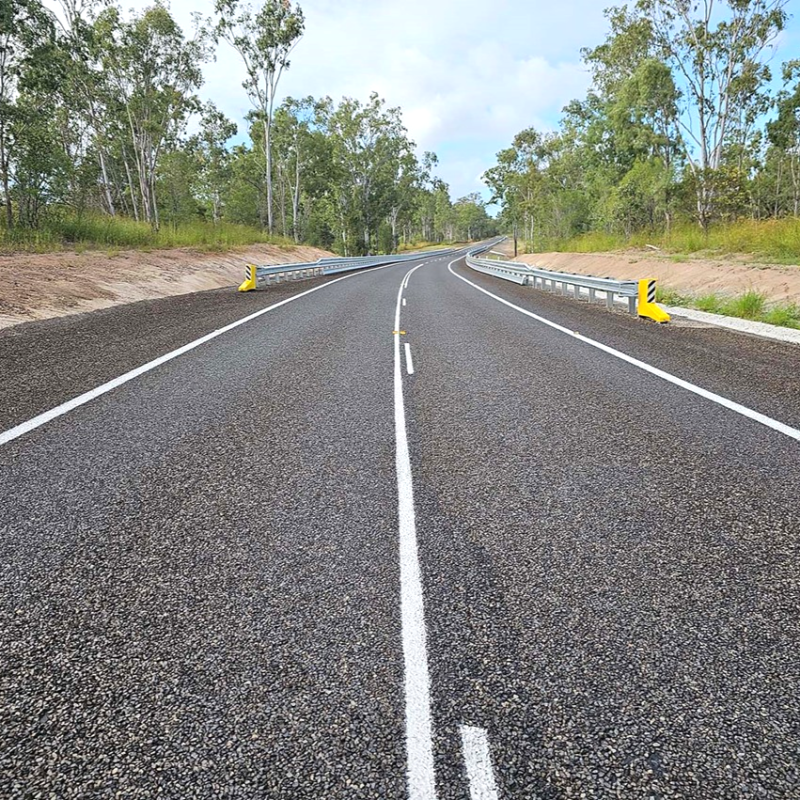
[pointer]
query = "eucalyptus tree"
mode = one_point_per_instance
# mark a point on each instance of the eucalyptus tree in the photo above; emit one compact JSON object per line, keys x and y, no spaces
{"x":369,"y":146}
{"x":154,"y":71}
{"x":25,"y":31}
{"x":783,"y":133}
{"x":634,"y":123}
{"x":264,"y":38}
{"x":298,"y":126}
{"x":717,"y":52}
{"x":214,"y":169}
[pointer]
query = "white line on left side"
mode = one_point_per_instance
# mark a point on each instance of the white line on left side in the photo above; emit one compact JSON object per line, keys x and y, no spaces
{"x":409,"y":360}
{"x":478,"y":761}
{"x":82,"y":399}
{"x":419,"y":728}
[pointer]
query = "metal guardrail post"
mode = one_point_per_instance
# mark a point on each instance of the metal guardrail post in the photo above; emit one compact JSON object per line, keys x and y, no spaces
{"x":640,"y":295}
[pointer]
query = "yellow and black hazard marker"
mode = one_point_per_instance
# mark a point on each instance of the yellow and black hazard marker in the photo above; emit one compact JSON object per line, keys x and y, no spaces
{"x":647,"y":307}
{"x":250,"y":279}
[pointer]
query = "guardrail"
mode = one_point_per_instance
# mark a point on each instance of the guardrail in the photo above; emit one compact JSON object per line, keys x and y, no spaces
{"x":278,"y":273}
{"x":639,"y":296}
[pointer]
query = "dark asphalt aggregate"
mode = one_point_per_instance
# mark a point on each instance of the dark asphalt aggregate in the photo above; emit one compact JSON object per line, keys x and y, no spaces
{"x":199,"y":580}
{"x":48,"y":362}
{"x":199,"y":573}
{"x":613,"y":562}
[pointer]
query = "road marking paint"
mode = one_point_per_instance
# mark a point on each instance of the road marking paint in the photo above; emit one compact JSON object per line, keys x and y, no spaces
{"x":47,"y":416}
{"x":404,"y":301}
{"x":399,"y":333}
{"x":408,"y":276}
{"x":478,"y":761}
{"x":781,"y":427}
{"x":419,"y":736}
{"x":409,"y":360}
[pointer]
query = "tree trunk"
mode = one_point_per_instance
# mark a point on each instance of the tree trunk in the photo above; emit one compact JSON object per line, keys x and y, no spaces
{"x":268,"y":158}
{"x":131,"y":187}
{"x":282,"y":190}
{"x":296,"y":195}
{"x":106,"y":182}
{"x":6,"y":188}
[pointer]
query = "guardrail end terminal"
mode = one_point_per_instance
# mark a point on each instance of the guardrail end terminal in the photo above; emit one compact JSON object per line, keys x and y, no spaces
{"x":647,"y":307}
{"x":251,"y":279}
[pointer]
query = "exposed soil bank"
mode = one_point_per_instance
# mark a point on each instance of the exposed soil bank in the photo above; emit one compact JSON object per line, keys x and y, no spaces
{"x":694,"y":276}
{"x":43,"y":285}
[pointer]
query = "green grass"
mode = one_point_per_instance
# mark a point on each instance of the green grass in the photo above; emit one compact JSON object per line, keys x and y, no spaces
{"x":776,"y":241}
{"x":709,"y":302}
{"x":750,"y":305}
{"x":93,"y":232}
{"x":787,"y":315}
{"x":419,"y":246}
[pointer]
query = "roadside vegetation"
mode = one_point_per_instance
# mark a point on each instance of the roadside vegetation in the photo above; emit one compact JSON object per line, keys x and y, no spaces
{"x":684,"y":141}
{"x":96,"y":149}
{"x":776,"y":241}
{"x":99,"y":232}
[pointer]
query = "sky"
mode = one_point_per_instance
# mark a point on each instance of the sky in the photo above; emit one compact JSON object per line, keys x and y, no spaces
{"x":468,"y":74}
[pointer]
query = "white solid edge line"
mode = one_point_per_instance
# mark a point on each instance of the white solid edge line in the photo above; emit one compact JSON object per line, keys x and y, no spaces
{"x":409,"y":360}
{"x":45,"y":417}
{"x":478,"y":761}
{"x":781,"y":427}
{"x":419,"y":737}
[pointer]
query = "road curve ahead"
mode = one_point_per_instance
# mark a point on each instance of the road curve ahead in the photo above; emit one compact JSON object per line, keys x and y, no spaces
{"x":414,"y":533}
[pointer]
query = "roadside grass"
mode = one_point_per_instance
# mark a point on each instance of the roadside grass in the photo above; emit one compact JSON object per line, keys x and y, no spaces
{"x":419,"y":246}
{"x":750,"y":305}
{"x":95,"y":232}
{"x":777,"y":241}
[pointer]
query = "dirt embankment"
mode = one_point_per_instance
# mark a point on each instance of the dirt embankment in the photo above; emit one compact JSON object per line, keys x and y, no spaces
{"x":39,"y":286}
{"x":691,"y":276}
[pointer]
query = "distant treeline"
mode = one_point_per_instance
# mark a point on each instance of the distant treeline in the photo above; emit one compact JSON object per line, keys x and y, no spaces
{"x":96,"y":109}
{"x":680,"y":126}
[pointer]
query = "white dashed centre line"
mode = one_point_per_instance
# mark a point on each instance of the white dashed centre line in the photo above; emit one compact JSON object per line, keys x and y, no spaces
{"x":409,"y":360}
{"x":478,"y":761}
{"x":419,"y":737}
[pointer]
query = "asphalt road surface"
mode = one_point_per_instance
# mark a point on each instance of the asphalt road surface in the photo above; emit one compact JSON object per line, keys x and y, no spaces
{"x":397,"y":537}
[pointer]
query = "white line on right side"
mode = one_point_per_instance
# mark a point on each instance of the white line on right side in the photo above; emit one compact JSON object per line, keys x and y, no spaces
{"x":478,"y":761}
{"x":781,"y":427}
